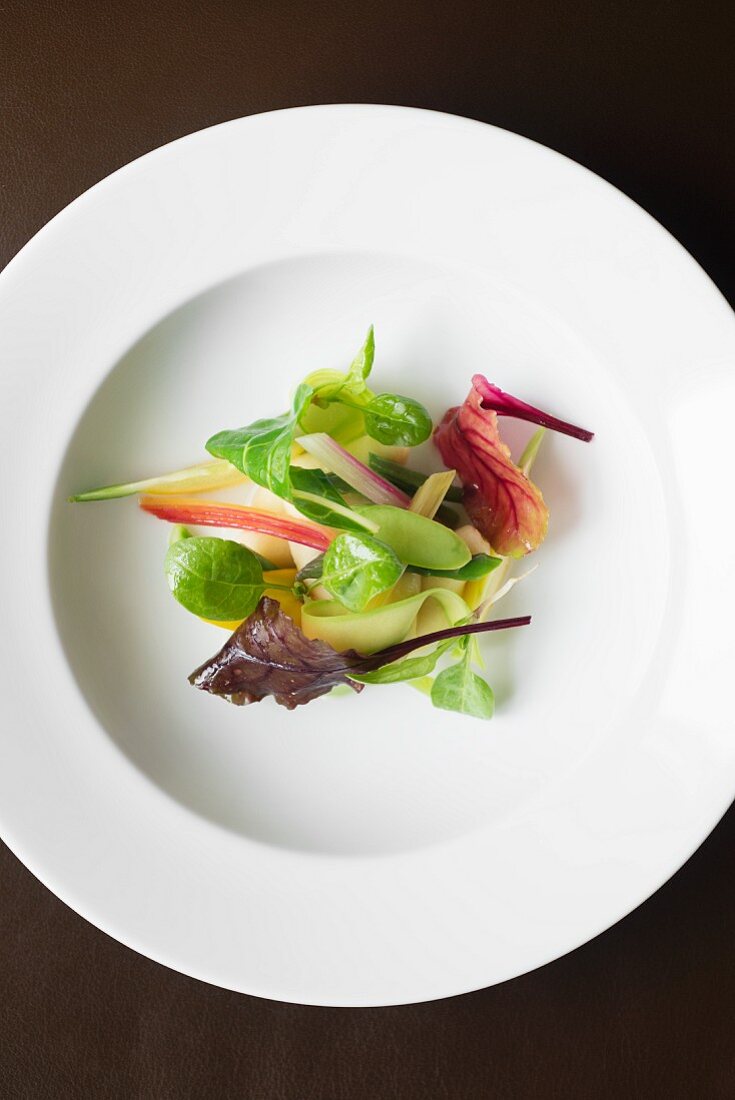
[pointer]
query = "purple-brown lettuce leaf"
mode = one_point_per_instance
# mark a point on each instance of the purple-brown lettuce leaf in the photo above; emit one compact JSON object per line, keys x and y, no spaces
{"x":269,"y":655}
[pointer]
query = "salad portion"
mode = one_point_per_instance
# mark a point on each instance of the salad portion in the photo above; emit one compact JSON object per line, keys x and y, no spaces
{"x":341,"y":565}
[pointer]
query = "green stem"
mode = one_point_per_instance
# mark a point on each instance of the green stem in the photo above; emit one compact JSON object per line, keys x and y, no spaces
{"x":531,"y":450}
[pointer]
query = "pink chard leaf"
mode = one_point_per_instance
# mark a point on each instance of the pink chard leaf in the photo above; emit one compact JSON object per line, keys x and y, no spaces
{"x":504,"y":505}
{"x":502,"y":502}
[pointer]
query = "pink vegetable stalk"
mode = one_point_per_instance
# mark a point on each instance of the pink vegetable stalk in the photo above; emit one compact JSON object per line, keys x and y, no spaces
{"x":240,"y":517}
{"x":361,"y":478}
{"x":505,"y":405}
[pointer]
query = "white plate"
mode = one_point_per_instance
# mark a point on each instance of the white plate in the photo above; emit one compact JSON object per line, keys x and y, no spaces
{"x":372,"y":850}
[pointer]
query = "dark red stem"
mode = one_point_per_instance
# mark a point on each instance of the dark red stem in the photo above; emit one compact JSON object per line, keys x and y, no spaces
{"x":505,"y":405}
{"x":394,"y":652}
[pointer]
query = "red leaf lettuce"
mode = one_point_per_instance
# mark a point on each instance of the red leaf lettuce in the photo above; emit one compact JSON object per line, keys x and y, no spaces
{"x":269,"y":655}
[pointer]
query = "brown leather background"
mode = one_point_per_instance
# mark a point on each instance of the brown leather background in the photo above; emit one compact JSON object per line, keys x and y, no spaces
{"x":641,"y":93}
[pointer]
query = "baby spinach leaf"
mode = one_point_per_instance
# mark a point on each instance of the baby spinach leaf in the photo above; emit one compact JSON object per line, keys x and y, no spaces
{"x":358,"y":567}
{"x":397,"y":421}
{"x":214,"y":578}
{"x":388,"y":417}
{"x":262,"y":450}
{"x":459,"y":688}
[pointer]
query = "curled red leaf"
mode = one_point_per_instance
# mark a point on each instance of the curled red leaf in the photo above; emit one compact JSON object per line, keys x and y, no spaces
{"x":504,"y":504}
